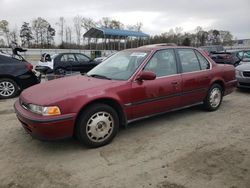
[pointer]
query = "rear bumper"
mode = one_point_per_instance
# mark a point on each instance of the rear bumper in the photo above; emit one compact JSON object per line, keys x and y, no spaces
{"x":27,"y":80}
{"x":230,"y":87}
{"x":45,"y":128}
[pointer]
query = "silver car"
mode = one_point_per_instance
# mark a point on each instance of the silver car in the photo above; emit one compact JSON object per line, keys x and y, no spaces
{"x":243,"y":72}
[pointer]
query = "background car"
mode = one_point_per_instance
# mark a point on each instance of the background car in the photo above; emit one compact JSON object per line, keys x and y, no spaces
{"x":243,"y":70}
{"x":130,"y":85}
{"x":15,"y":75}
{"x":230,"y":58}
{"x":63,"y":62}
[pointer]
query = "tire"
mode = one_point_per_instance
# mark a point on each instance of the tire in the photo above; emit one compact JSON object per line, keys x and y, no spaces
{"x":8,"y":88}
{"x":60,"y":71}
{"x":214,"y":98}
{"x":97,"y":125}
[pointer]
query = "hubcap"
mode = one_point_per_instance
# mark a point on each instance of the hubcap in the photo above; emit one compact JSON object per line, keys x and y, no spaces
{"x":6,"y":89}
{"x":99,"y":126}
{"x":215,"y":97}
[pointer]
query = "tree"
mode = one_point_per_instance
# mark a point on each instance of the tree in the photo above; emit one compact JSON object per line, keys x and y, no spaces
{"x":51,"y":32}
{"x":201,"y":36}
{"x":14,"y":35}
{"x":68,"y":35}
{"x":61,"y":25}
{"x":136,"y":27}
{"x":44,"y":33}
{"x":216,"y":34}
{"x":186,"y":42}
{"x":26,"y":34}
{"x":88,"y":23}
{"x":4,"y":28}
{"x":78,"y":28}
{"x":105,"y":22}
{"x":226,"y":38}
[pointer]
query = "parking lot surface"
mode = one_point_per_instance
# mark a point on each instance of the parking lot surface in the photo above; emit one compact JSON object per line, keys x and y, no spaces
{"x":190,"y":148}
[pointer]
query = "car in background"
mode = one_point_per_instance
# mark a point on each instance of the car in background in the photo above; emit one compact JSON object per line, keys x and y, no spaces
{"x":243,"y":75}
{"x":221,"y":56}
{"x":64,"y":62}
{"x":243,"y":70}
{"x":230,"y":58}
{"x":15,"y":75}
{"x":130,"y":85}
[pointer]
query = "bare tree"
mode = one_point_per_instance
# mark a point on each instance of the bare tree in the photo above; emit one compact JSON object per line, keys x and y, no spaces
{"x":14,"y":35}
{"x":68,"y":35}
{"x":78,"y":28}
{"x":88,"y":23}
{"x":4,"y":28}
{"x":61,"y":25}
{"x":136,"y":27}
{"x":44,"y":33}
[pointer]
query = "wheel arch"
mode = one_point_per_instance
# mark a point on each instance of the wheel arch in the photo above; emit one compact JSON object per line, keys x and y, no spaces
{"x":108,"y":101}
{"x":221,"y":83}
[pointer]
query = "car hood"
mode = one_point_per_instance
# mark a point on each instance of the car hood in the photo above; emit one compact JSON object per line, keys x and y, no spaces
{"x":55,"y":90}
{"x":243,"y":67}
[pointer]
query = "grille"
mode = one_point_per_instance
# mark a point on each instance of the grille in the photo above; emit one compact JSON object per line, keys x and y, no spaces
{"x":246,"y":73}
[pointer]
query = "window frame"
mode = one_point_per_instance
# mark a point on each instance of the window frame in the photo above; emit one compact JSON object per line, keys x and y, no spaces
{"x":193,"y":49}
{"x":196,"y":53}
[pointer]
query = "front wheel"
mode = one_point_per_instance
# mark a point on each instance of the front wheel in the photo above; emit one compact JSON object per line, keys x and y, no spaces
{"x":8,"y":88}
{"x":214,"y":98}
{"x":97,"y":125}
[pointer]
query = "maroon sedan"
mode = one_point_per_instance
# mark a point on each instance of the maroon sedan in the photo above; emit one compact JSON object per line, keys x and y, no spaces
{"x":131,"y":85}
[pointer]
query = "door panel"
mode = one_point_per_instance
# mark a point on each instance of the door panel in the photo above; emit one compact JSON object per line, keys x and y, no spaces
{"x":195,"y":76}
{"x":155,"y":96}
{"x":162,"y":94}
{"x":194,"y":88}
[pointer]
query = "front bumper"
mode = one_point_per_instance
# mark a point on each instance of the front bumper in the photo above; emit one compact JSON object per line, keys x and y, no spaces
{"x":45,"y":128}
{"x":243,"y":82}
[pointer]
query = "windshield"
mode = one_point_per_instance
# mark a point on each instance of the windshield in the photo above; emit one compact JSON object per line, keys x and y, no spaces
{"x":246,"y":56}
{"x":120,"y":66}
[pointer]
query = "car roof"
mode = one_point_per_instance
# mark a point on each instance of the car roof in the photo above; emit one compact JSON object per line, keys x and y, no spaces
{"x":156,"y":47}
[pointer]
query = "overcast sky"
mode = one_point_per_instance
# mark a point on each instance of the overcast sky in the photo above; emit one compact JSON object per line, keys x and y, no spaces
{"x":157,"y":16}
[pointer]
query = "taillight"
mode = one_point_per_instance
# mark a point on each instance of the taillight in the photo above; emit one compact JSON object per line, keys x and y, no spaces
{"x":29,"y":66}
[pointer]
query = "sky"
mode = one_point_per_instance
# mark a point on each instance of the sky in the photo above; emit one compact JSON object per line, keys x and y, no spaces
{"x":157,"y":16}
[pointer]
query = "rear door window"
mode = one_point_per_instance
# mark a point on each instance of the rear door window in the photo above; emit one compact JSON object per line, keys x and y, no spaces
{"x":203,"y":61}
{"x":188,"y":60}
{"x":82,"y":58}
{"x":68,"y":57}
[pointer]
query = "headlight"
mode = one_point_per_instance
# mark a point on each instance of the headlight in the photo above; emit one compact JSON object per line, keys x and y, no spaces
{"x":45,"y":111}
{"x":238,"y":73}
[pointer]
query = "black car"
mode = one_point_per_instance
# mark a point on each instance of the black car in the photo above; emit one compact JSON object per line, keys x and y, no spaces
{"x":15,"y":75}
{"x":63,"y":62}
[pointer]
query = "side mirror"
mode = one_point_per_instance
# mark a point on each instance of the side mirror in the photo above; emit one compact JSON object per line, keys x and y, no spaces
{"x":146,"y":75}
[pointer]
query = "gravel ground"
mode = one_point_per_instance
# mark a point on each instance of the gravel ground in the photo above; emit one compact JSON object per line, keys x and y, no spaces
{"x":190,"y":148}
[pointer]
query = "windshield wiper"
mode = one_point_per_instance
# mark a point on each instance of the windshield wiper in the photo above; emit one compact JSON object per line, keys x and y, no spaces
{"x":99,"y":76}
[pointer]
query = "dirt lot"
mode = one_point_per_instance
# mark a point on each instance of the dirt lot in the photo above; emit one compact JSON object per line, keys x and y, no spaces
{"x":185,"y":149}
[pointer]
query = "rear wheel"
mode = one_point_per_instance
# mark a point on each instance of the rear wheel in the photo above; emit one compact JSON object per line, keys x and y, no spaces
{"x":8,"y":88}
{"x":214,"y":98}
{"x":97,"y":125}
